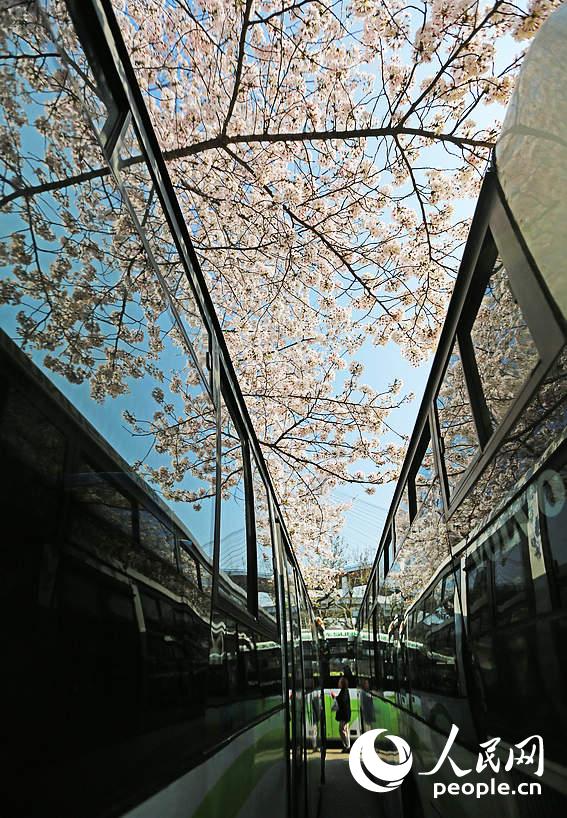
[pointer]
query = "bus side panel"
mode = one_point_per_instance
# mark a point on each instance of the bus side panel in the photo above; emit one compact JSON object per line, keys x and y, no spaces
{"x":237,"y":782}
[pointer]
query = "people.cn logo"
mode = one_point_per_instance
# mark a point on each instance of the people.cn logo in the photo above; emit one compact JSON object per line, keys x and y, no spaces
{"x":365,"y":761}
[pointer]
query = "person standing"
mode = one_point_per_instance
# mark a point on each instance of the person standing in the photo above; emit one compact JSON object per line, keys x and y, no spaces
{"x":349,"y":675}
{"x":343,"y":713}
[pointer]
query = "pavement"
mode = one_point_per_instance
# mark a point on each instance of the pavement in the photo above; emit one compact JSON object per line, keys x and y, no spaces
{"x":342,"y":797}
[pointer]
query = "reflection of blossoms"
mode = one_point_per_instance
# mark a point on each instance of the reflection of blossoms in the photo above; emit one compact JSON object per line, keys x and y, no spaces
{"x":306,"y":249}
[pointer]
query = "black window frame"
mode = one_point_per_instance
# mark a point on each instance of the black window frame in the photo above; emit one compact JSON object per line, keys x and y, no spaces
{"x":219,"y":598}
{"x":494,"y":234}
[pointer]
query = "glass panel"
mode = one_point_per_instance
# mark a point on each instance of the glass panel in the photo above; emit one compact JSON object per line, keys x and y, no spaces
{"x":270,"y":670}
{"x":504,"y":348}
{"x":156,"y":536}
{"x":233,"y":543}
{"x":382,"y":570}
{"x":187,"y":564}
{"x":442,"y":638}
{"x":512,"y":577}
{"x":418,"y":646}
{"x":402,"y":522}
{"x":33,"y":455}
{"x":553,"y":514}
{"x":248,"y":683}
{"x":479,"y":614}
{"x":458,"y":433}
{"x":137,"y":182}
{"x":425,"y":476}
{"x":223,"y":666}
{"x":100,"y":515}
{"x":33,"y":439}
{"x":264,"y":551}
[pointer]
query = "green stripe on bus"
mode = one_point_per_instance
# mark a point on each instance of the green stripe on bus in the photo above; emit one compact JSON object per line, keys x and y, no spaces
{"x":231,"y":791}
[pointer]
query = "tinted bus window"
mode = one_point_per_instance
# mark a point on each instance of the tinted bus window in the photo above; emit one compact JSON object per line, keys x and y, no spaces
{"x":512,"y":576}
{"x":233,"y":542}
{"x":456,"y":423}
{"x":553,"y":515}
{"x":156,"y":536}
{"x":264,"y":552}
{"x":101,"y":515}
{"x":425,"y":476}
{"x":478,"y":594}
{"x":504,"y":348}
{"x":442,"y":638}
{"x":402,"y":521}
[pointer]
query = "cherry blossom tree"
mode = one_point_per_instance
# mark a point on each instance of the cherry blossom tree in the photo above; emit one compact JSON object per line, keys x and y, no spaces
{"x":316,"y":149}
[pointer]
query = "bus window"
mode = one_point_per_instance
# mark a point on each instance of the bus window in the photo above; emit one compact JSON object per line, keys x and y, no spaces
{"x":187,"y":565}
{"x":456,"y":424}
{"x":222,"y":661}
{"x":425,"y":475}
{"x":95,"y":666}
{"x":248,"y":686}
{"x":418,"y":654}
{"x":233,"y":542}
{"x":101,"y":515}
{"x":35,"y":449}
{"x":553,"y":515}
{"x":442,"y":639}
{"x":504,"y":348}
{"x":478,"y":597}
{"x":156,"y":537}
{"x":512,"y":576}
{"x":402,"y":523}
{"x":270,"y":671}
{"x":264,"y":553}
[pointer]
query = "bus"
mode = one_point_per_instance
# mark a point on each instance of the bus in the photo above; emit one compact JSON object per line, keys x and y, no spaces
{"x":158,"y":636}
{"x":473,"y":554}
{"x":337,"y":649}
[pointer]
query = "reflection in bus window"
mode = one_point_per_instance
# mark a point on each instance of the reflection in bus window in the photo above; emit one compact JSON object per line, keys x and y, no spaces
{"x":97,"y":610}
{"x":425,"y":476}
{"x":264,"y":553}
{"x":270,"y":671}
{"x":248,"y":683}
{"x":442,"y":638}
{"x":31,"y":438}
{"x":456,"y":423}
{"x":187,"y":564}
{"x":156,"y":537}
{"x":504,"y":348}
{"x":402,"y":522}
{"x":138,"y":185}
{"x":233,"y":542}
{"x":101,"y":515}
{"x":33,"y":452}
{"x":512,"y":577}
{"x":553,"y":516}
{"x":479,"y":615}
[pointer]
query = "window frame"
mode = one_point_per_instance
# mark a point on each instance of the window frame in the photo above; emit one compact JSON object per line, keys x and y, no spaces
{"x":220,"y":600}
{"x":254,"y":465}
{"x":496,"y":235}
